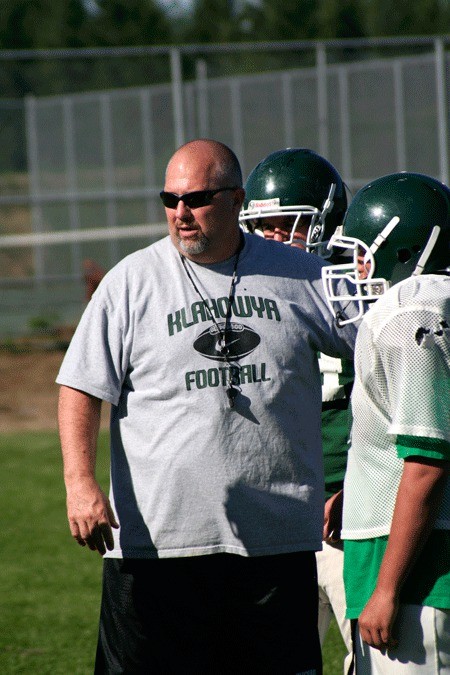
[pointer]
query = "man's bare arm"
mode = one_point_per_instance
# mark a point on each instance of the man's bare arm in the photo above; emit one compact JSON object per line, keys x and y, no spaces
{"x":418,"y":498}
{"x":88,"y":509}
{"x":333,"y":518}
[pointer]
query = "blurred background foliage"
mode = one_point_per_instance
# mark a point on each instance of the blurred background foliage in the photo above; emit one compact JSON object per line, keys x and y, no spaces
{"x":74,"y":24}
{"x":46,"y":24}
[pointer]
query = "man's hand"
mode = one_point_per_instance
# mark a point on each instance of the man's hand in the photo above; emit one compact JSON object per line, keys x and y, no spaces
{"x":333,"y":518}
{"x":90,"y":516}
{"x":88,"y":509}
{"x":377,"y":619}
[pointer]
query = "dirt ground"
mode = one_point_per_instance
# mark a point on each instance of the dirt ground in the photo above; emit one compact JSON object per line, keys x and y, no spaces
{"x":28,"y":393}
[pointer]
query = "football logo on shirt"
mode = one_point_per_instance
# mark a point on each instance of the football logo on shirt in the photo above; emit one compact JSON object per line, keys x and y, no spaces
{"x":227,"y":342}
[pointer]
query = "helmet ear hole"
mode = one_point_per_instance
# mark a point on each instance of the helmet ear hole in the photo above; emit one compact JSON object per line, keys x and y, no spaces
{"x":403,"y":255}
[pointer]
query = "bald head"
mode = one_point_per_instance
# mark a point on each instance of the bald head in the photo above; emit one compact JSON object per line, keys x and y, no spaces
{"x":218,"y":160}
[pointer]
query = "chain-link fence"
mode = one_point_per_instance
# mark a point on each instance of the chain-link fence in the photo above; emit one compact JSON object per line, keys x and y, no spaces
{"x":88,"y":142}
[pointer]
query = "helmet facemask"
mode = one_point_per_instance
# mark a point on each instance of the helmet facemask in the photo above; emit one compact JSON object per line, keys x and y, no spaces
{"x":258,"y":210}
{"x":359,"y":271}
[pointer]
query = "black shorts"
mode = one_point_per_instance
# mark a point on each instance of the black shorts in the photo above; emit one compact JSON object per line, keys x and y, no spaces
{"x":215,"y":614}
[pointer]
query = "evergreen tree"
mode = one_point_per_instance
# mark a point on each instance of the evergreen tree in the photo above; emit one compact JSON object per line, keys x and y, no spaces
{"x":403,"y":17}
{"x":212,"y":21}
{"x":130,"y":23}
{"x":340,"y":19}
{"x":42,"y":24}
{"x":294,"y":20}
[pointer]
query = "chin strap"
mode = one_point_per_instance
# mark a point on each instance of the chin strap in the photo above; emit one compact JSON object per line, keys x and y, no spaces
{"x":328,"y":203}
{"x":384,"y":234}
{"x":435,"y":232}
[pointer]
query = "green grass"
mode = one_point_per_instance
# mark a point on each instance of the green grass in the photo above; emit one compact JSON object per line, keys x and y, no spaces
{"x":333,"y":651}
{"x":49,"y":586}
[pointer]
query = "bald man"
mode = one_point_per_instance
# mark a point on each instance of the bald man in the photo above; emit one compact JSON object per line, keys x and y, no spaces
{"x":205,"y":344}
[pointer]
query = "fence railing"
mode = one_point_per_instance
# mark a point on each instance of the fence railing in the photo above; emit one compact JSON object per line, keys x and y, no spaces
{"x":89,"y":165}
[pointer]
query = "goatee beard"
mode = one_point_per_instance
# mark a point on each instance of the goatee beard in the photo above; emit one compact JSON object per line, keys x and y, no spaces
{"x":195,"y":247}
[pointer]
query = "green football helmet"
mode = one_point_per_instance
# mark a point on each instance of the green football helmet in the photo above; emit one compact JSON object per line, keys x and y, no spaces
{"x":396,"y":226}
{"x":300,"y":183}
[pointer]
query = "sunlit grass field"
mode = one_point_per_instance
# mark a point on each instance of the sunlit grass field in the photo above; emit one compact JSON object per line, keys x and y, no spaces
{"x":49,"y":586}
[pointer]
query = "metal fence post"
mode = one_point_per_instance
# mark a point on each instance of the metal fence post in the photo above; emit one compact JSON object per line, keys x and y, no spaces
{"x":35,"y":190}
{"x":288,"y":110}
{"x":344,"y":114}
{"x":202,"y":97}
{"x":71,"y":164}
{"x":148,"y":149}
{"x":442,"y":108}
{"x":236,"y":120}
{"x":177,"y":95}
{"x":108,"y":159}
{"x":399,"y":115}
{"x":322,"y":103}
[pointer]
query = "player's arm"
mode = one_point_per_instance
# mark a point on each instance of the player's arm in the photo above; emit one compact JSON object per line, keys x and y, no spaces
{"x":333,"y":518}
{"x":418,"y":498}
{"x":88,"y":509}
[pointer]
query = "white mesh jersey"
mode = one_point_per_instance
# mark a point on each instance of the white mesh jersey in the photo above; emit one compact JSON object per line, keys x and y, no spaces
{"x":402,"y":387}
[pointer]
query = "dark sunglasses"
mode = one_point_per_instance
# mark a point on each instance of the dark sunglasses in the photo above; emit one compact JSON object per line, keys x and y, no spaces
{"x":192,"y":199}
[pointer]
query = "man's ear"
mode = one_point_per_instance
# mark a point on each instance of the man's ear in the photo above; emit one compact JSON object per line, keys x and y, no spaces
{"x":239,"y":196}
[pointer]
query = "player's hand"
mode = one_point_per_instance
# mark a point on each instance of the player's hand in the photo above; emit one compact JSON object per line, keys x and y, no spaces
{"x":333,"y":518}
{"x":90,"y":515}
{"x":377,"y":620}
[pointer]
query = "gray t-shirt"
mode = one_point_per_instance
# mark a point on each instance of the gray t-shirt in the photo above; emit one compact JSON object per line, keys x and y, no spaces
{"x":189,"y":474}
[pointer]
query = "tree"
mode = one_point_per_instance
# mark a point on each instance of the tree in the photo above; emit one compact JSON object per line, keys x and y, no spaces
{"x":212,"y":21}
{"x":295,"y":20}
{"x":40,"y":24}
{"x":130,"y":23}
{"x":340,"y":19}
{"x":403,"y":17}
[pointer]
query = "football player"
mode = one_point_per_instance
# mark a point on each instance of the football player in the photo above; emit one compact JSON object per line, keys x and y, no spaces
{"x":297,"y":197}
{"x":396,"y":516}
